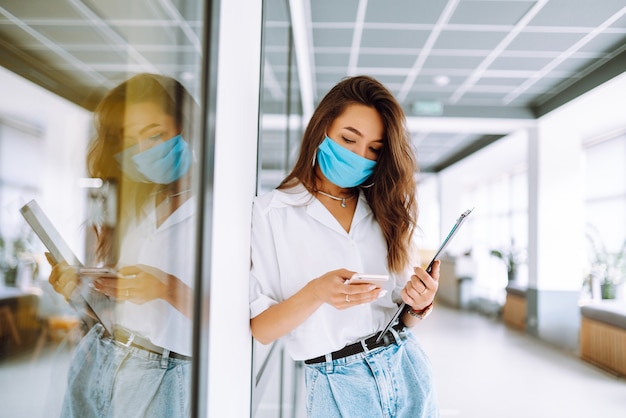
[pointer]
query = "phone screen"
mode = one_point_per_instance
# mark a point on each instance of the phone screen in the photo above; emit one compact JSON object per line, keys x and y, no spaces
{"x":377,"y":279}
{"x":97,"y":272}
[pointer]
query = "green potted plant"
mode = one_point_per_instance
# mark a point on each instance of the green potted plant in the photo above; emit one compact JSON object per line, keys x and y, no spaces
{"x":12,"y":253}
{"x":8,"y":262}
{"x":609,"y":267}
{"x":512,"y":258}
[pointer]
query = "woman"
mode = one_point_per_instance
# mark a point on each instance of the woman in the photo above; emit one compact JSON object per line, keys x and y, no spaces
{"x":142,"y":366}
{"x":347,"y":207}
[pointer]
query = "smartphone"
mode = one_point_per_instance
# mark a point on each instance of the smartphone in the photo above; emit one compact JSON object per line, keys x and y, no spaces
{"x":376,"y":279}
{"x":95,"y":272}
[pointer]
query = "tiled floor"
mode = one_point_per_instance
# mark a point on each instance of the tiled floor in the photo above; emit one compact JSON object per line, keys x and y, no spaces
{"x":486,"y":370}
{"x":32,"y":385}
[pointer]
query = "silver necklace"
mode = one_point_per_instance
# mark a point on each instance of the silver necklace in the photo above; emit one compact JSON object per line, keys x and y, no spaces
{"x":340,"y":199}
{"x":169,"y":196}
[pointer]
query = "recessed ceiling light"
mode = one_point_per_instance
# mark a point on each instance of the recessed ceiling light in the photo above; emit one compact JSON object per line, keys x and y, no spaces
{"x":90,"y":183}
{"x":187,"y":76}
{"x":441,"y":80}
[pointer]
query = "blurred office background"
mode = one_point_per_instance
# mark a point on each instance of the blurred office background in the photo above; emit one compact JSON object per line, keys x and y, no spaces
{"x":516,"y":108}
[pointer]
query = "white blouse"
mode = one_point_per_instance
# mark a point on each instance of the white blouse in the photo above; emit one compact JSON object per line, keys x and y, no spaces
{"x":296,"y":239}
{"x":170,"y":249}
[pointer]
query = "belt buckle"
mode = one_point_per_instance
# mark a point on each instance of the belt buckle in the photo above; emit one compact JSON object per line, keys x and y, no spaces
{"x":389,"y":338}
{"x":385,"y":341}
{"x":364,"y":345}
{"x":131,"y":338}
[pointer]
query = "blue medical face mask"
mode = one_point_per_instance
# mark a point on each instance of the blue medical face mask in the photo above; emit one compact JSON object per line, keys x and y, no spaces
{"x":162,"y":164}
{"x":341,"y":166}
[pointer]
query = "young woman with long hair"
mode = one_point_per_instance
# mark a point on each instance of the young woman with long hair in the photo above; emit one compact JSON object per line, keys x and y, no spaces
{"x":143,"y":148}
{"x":348,"y":206}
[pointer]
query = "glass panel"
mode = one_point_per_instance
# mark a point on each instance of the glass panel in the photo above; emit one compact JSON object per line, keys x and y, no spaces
{"x":605,"y":205}
{"x":500,"y":224}
{"x":100,"y":125}
{"x":605,"y":168}
{"x":278,"y":380}
{"x":280,"y":97}
{"x":519,"y":191}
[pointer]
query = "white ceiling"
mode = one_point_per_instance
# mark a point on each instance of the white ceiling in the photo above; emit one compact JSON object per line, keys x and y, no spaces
{"x":466,"y":71}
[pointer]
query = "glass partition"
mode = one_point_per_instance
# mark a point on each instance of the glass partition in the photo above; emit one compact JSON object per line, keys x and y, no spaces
{"x":605,"y":228}
{"x":281,"y":103}
{"x":100,"y":125}
{"x":277,"y":380}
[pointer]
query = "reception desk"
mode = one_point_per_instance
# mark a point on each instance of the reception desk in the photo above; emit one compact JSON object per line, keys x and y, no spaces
{"x":18,"y":318}
{"x":514,"y":311}
{"x":454,"y":288}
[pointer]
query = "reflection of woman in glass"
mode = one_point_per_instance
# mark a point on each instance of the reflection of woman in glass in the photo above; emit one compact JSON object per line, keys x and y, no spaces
{"x":143,"y":145}
{"x":347,"y":207}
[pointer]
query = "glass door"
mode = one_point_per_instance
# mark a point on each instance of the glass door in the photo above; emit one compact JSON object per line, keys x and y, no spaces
{"x":102,"y":127}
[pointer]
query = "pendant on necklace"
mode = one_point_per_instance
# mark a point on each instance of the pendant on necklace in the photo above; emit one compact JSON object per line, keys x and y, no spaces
{"x":339,"y":199}
{"x":170,"y":196}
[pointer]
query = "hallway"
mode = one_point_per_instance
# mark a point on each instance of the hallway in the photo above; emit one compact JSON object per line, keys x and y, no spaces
{"x":485,"y":370}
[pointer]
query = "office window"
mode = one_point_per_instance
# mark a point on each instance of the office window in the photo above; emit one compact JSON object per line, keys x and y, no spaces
{"x":17,"y":174}
{"x":501,"y":223}
{"x":605,"y":191}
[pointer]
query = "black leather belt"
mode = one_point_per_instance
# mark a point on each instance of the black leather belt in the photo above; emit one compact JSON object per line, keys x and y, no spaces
{"x":129,"y":339}
{"x":360,"y":346}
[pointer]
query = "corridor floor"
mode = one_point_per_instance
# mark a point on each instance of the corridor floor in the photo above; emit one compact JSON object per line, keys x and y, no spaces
{"x":484,"y":369}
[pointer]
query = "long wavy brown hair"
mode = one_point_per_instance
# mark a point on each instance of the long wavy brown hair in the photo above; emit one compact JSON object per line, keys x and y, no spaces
{"x":391,"y":189}
{"x":175,"y":101}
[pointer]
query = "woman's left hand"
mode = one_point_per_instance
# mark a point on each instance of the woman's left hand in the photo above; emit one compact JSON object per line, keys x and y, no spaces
{"x":138,"y":284}
{"x":420,"y":290}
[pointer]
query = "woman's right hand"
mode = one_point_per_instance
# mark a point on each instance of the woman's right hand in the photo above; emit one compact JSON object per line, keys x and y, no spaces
{"x":63,"y":278}
{"x":331,"y":288}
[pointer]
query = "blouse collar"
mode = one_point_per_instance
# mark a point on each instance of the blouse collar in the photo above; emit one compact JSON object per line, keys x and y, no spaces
{"x":300,"y":196}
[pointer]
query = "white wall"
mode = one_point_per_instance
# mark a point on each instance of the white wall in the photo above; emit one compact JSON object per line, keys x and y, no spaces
{"x":429,"y":212}
{"x":556,"y":190}
{"x":559,"y":187}
{"x":65,"y":134}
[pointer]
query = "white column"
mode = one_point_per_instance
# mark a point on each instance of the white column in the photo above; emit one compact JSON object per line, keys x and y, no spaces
{"x":234,"y":186}
{"x":556,"y":252}
{"x":559,"y":198}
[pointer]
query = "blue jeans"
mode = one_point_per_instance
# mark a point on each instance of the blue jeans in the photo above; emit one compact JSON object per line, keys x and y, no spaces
{"x":393,"y":381}
{"x":106,"y":379}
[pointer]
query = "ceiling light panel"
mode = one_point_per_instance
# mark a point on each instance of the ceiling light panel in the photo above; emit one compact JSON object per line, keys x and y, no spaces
{"x":404,"y":11}
{"x":28,"y":11}
{"x":473,"y":39}
{"x":490,"y":12}
{"x":588,"y":14}
{"x":393,"y":38}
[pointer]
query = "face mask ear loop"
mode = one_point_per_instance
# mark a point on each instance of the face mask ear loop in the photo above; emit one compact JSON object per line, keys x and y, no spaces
{"x":367,"y":186}
{"x":315,"y":153}
{"x":194,"y":158}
